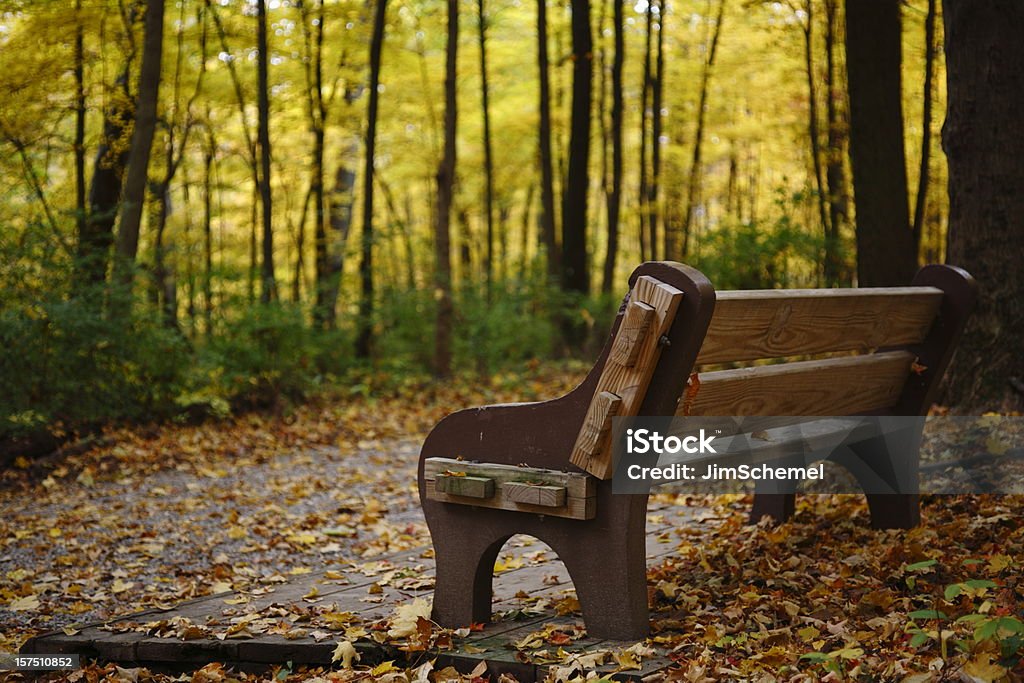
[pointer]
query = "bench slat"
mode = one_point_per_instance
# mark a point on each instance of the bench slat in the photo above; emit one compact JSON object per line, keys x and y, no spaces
{"x":834,"y":386}
{"x":769,"y":323}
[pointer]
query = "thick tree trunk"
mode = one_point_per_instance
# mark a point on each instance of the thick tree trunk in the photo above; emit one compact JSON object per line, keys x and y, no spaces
{"x":547,"y":181}
{"x":364,"y":340}
{"x":488,"y":155}
{"x":984,"y":147}
{"x":575,"y":273}
{"x":142,"y":143}
{"x":97,"y":235}
{"x":885,"y":244}
{"x":614,"y":197}
{"x":445,"y":190}
{"x":268,"y":285}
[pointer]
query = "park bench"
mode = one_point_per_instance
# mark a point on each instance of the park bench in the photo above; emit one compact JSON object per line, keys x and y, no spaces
{"x":544,"y":468}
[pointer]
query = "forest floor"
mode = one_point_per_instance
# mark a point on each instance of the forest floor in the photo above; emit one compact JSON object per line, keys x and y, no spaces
{"x":156,"y":516}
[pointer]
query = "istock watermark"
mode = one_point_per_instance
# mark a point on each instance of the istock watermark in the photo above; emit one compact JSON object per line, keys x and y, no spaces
{"x":870,"y":454}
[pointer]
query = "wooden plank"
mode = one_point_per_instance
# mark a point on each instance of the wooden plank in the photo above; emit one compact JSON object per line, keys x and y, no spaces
{"x":635,"y":324}
{"x":598,"y":423}
{"x":629,"y":383}
{"x":536,"y":494}
{"x":464,"y":485}
{"x":574,"y":508}
{"x":576,"y":485}
{"x":836,"y":386}
{"x":772,"y":323}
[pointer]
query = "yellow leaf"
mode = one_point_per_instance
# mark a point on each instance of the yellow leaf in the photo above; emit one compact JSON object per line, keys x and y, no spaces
{"x":345,"y":653}
{"x":981,"y":668}
{"x":121,"y":586}
{"x":406,"y":618}
{"x":995,"y":446}
{"x":998,"y":563}
{"x":25,"y":604}
{"x":383,"y":668}
{"x":626,"y":660}
{"x":507,"y":564}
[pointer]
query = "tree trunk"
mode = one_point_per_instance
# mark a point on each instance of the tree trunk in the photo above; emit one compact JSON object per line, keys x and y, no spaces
{"x":885,"y":244}
{"x":921,"y":200}
{"x":547,"y":181}
{"x":208,"y":156}
{"x":81,"y":224}
{"x":614,"y":197}
{"x":445,"y":189}
{"x":645,"y":96}
{"x":94,"y":243}
{"x":488,"y":157}
{"x":984,"y":147}
{"x":364,"y":340}
{"x":142,"y":143}
{"x":575,"y":274}
{"x":812,"y":124}
{"x":835,"y":173}
{"x":693,"y":182}
{"x":268,"y":286}
{"x":657,"y":88}
{"x":340,"y":223}
{"x":323,"y":309}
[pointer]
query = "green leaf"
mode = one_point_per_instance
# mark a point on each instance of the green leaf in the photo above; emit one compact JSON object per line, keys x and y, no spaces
{"x":1011,"y":624}
{"x":815,"y":656}
{"x":919,"y":639}
{"x":928,"y":614}
{"x":981,"y":583}
{"x":953,"y":590}
{"x":924,"y":564}
{"x":986,"y":630}
{"x":971,"y":618}
{"x":969,"y":561}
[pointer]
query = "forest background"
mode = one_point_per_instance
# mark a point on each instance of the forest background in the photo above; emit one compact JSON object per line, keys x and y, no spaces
{"x":216,"y":205}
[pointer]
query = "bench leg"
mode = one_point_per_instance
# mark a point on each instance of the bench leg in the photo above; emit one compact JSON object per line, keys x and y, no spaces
{"x":465,"y":570}
{"x":894,"y":510}
{"x":609,"y":571}
{"x":779,"y":506}
{"x":887,"y":469}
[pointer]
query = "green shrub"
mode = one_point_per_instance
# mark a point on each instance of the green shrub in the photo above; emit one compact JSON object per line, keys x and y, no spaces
{"x":62,"y":362}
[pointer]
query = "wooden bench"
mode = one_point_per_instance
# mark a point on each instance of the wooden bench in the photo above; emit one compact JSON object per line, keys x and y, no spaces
{"x":544,"y":468}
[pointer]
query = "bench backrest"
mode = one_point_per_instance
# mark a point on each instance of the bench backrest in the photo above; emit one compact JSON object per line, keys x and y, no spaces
{"x":833,"y":352}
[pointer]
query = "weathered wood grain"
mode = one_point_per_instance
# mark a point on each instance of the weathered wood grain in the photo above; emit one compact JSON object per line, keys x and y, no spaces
{"x":629,"y":383}
{"x":775,"y":323}
{"x":835,"y":386}
{"x":598,"y":423}
{"x":635,"y":324}
{"x":535,"y":494}
{"x":573,"y":508}
{"x":464,"y":485}
{"x":576,"y":485}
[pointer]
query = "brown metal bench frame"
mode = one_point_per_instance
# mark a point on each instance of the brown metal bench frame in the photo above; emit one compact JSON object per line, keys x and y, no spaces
{"x":605,"y":556}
